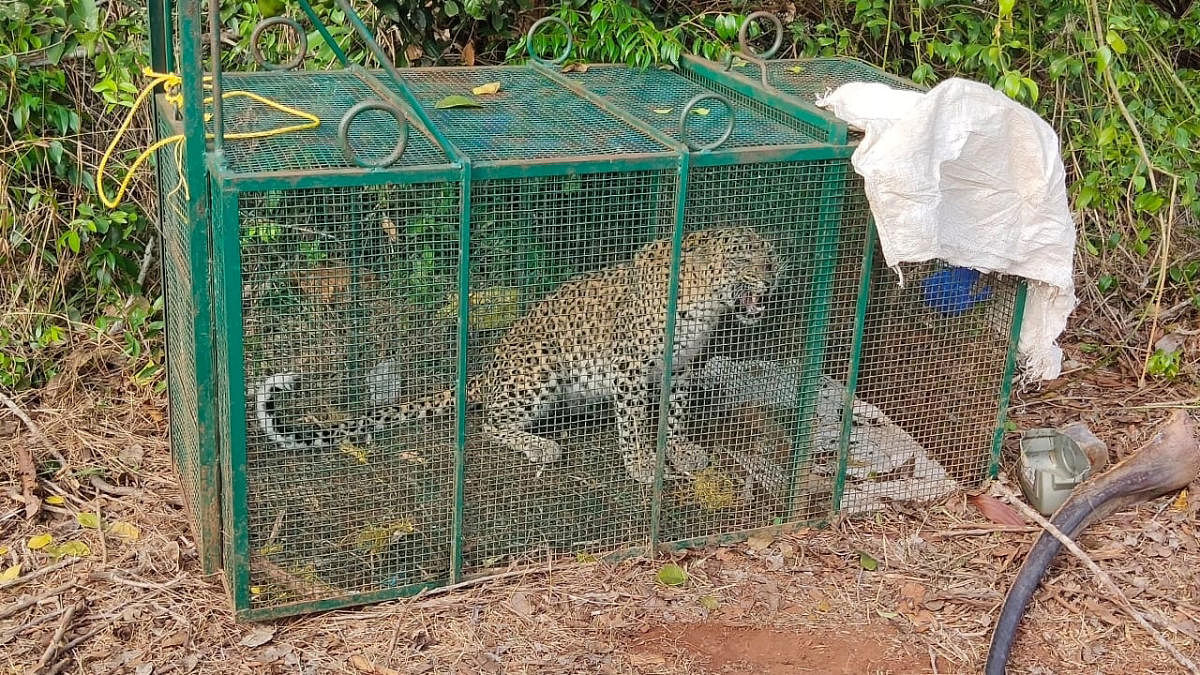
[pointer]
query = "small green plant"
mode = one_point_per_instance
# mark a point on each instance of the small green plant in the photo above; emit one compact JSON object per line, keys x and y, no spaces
{"x":1164,"y":364}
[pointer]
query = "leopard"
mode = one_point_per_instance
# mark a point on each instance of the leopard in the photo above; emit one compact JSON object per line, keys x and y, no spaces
{"x":599,"y":335}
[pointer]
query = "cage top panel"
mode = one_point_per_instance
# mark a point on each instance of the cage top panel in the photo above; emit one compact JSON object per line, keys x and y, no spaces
{"x":658,"y":97}
{"x":809,"y":79}
{"x":328,"y":95}
{"x":530,"y":118}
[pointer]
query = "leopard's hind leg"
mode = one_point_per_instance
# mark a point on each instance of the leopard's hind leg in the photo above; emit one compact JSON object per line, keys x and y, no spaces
{"x":513,"y":407}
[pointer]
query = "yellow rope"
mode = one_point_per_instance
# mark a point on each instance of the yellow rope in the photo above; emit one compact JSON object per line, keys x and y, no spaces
{"x":171,"y":83}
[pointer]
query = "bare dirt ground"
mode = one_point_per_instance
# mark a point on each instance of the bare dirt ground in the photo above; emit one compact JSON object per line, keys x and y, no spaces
{"x":802,"y":603}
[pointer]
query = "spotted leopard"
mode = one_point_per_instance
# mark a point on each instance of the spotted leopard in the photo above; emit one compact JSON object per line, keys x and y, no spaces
{"x":600,"y":334}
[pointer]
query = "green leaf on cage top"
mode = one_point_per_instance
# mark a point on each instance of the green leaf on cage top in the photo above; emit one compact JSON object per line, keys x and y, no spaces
{"x":672,"y":575}
{"x":866,"y":562}
{"x":456,"y":101}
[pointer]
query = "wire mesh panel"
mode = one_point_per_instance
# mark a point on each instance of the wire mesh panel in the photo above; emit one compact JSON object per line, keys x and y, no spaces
{"x":347,"y":305}
{"x":809,"y":79}
{"x":188,"y":352}
{"x":932,"y":381}
{"x":530,"y":118}
{"x":659,"y":97}
{"x":931,"y":366}
{"x":559,"y":315}
{"x":326,"y":95}
{"x":757,"y":400}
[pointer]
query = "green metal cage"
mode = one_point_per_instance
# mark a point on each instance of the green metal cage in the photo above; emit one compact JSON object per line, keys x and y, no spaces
{"x":383,"y":255}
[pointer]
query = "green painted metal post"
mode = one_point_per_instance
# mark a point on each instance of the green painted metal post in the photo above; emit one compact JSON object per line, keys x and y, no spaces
{"x":862,"y":302}
{"x":813,"y":360}
{"x":198,"y":212}
{"x":668,"y":377}
{"x":227,"y":270}
{"x":1010,"y":364}
{"x":160,"y":37}
{"x":460,"y":401}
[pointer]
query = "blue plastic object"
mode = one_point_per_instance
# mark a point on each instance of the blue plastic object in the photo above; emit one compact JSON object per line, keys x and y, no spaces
{"x":951,"y":291}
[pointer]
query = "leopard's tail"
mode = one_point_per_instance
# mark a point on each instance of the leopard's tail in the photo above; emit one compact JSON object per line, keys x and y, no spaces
{"x":357,"y":430}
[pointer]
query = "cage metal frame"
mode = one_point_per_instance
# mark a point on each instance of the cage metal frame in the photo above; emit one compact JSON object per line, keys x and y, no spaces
{"x":219,"y":507}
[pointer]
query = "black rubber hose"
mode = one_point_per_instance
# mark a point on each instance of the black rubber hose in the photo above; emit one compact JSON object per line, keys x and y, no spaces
{"x":1088,"y":504}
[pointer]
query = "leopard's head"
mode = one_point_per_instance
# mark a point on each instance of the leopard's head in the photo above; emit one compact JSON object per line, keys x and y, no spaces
{"x":751,"y":269}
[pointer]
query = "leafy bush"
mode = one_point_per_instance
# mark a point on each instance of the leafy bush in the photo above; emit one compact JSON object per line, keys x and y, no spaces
{"x":75,"y":273}
{"x":67,"y":264}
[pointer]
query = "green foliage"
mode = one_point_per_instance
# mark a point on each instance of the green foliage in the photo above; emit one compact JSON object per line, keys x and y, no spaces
{"x":1070,"y":52}
{"x":66,"y":261}
{"x":416,"y":31}
{"x":1164,"y":364}
{"x":614,"y":31}
{"x":1103,"y":74}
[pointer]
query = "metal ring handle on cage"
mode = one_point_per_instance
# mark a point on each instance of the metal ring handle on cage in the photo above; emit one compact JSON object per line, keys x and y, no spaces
{"x":566,"y":50}
{"x":687,"y":110}
{"x":256,"y":49}
{"x":744,"y":35}
{"x":343,"y":133}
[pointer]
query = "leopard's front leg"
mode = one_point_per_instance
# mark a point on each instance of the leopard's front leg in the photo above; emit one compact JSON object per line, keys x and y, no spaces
{"x":630,"y":398}
{"x":686,"y":456}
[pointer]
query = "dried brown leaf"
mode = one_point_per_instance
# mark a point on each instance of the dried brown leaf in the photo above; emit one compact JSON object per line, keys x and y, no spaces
{"x":390,"y":228}
{"x":468,"y":54}
{"x":132,"y":456}
{"x":912,"y":594}
{"x":258,"y":637}
{"x":365,"y":666}
{"x":28,"y":470}
{"x":997,"y":511}
{"x":760,"y":541}
{"x":485,"y":89}
{"x":922,"y":621}
{"x":520,"y":605}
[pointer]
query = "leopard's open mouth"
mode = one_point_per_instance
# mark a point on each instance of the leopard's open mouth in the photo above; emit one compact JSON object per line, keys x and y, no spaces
{"x":750,"y":307}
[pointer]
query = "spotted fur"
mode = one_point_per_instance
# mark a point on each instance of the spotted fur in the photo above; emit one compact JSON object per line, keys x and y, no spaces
{"x":599,"y":335}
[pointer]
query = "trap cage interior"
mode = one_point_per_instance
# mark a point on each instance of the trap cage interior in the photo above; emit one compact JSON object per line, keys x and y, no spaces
{"x":933,"y":358}
{"x":320,"y":276}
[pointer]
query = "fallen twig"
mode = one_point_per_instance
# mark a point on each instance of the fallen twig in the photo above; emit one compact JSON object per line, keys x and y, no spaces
{"x":32,"y":623}
{"x":108,"y":620}
{"x":118,"y":579}
{"x":981,"y":531}
{"x":114,"y":490}
{"x":54,"y":647}
{"x":26,"y":465}
{"x":65,"y":562}
{"x":29,"y":602}
{"x":1105,"y":580}
{"x":16,"y":497}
